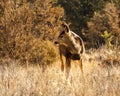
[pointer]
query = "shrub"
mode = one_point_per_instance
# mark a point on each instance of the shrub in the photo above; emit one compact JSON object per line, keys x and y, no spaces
{"x":106,"y":20}
{"x":27,"y":29}
{"x":43,"y":53}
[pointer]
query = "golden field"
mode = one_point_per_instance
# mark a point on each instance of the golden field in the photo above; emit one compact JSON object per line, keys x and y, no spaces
{"x":100,"y":77}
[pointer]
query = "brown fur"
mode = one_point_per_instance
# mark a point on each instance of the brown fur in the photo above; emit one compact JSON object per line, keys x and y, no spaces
{"x":71,"y":47}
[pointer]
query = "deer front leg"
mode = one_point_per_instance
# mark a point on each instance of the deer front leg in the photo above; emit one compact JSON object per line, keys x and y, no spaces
{"x":68,"y":66}
{"x":62,"y":62}
{"x":80,"y":65}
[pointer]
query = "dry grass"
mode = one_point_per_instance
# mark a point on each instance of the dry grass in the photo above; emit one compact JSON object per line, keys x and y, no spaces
{"x":16,"y":80}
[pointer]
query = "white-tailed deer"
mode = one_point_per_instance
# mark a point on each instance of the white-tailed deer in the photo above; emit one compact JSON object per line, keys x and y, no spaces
{"x":71,"y":47}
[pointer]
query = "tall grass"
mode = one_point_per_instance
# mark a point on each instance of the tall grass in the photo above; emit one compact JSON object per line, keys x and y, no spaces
{"x":97,"y":80}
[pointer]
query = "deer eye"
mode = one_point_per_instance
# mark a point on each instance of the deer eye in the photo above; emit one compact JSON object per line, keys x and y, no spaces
{"x":61,"y":36}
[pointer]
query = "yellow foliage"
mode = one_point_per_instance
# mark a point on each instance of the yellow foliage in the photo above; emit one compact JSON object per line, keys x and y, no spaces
{"x":27,"y":29}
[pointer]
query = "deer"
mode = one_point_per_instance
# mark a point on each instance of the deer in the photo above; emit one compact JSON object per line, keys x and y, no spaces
{"x":71,"y":47}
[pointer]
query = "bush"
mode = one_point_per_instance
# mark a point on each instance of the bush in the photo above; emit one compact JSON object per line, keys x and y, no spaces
{"x":43,"y":53}
{"x":27,"y":29}
{"x":104,"y":21}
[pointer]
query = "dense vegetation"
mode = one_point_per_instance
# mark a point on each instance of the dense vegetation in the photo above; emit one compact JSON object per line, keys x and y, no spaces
{"x":29,"y":27}
{"x":91,"y":18}
{"x":26,"y":29}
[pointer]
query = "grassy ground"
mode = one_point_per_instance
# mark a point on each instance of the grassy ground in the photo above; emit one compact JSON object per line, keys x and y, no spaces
{"x":97,"y":80}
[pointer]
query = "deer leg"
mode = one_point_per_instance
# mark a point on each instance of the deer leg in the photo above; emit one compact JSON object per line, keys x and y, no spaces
{"x":62,"y":63}
{"x":68,"y":66}
{"x":80,"y":65}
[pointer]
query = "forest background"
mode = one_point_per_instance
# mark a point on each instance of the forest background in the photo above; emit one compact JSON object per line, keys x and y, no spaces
{"x":28,"y":28}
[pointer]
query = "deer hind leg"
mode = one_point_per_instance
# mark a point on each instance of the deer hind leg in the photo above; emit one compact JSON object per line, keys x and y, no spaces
{"x":68,"y":66}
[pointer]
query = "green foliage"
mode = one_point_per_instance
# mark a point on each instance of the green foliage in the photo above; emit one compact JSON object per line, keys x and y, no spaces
{"x":108,"y":38}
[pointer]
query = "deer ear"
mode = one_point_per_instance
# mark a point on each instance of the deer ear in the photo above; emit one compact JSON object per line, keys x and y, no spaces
{"x":65,"y":27}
